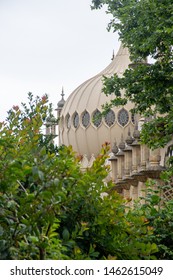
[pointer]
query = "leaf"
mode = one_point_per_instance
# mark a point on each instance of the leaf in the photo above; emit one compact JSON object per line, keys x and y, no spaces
{"x":33,"y":239}
{"x":65,"y":234}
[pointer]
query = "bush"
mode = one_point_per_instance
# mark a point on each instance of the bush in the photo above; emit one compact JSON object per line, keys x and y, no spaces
{"x":50,"y":209}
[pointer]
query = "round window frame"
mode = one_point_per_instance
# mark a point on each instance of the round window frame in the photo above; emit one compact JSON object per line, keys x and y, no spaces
{"x":97,"y":111}
{"x":107,"y":116}
{"x":122,"y":111}
{"x":74,"y":121}
{"x":68,"y":121}
{"x":85,"y":119}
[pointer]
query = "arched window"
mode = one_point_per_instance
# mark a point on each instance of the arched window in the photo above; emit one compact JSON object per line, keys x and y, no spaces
{"x":123,"y":117}
{"x":85,"y":119}
{"x":68,"y":121}
{"x":76,"y":120}
{"x":97,"y":118}
{"x":110,"y":118}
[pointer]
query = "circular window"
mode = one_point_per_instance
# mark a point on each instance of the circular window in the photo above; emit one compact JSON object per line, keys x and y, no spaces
{"x":123,"y":117}
{"x":76,"y":120}
{"x":97,"y":118}
{"x":85,"y":119}
{"x":110,"y":118}
{"x":68,"y":122}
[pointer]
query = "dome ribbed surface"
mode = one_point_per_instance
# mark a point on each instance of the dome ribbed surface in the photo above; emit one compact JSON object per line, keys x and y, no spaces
{"x":88,"y":97}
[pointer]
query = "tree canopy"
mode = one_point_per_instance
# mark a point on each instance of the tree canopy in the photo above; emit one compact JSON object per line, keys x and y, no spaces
{"x":146,"y":28}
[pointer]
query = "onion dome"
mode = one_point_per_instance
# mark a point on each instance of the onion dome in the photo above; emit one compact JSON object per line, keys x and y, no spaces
{"x":81,"y":123}
{"x":62,"y":101}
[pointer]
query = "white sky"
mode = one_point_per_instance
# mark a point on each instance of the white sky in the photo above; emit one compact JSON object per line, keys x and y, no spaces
{"x":47,"y":44}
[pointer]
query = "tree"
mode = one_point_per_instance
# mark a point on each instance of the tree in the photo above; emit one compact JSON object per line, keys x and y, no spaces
{"x":146,"y":28}
{"x":49,"y":208}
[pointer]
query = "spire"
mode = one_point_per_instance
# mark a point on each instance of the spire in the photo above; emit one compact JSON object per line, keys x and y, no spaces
{"x":62,"y":93}
{"x":62,"y":101}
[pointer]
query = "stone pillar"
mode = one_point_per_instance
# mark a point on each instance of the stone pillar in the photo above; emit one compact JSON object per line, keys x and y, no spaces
{"x":127,"y":161}
{"x":120,"y":156}
{"x":53,"y":129}
{"x":128,"y":155}
{"x":114,"y":165}
{"x":60,"y":105}
{"x":113,"y":161}
{"x":48,"y":128}
{"x":120,"y":165}
{"x":154,"y":159}
{"x":144,"y":157}
{"x":136,"y":157}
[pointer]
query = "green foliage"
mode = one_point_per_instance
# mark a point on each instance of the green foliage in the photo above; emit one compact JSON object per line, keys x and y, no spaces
{"x":158,"y":213}
{"x":29,"y":197}
{"x":50,"y":209}
{"x":146,"y":28}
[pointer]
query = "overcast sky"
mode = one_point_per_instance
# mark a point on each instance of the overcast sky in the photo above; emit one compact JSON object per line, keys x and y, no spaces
{"x":47,"y":44}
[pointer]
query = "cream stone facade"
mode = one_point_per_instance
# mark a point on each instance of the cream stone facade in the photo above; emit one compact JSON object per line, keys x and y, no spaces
{"x":82,"y":127}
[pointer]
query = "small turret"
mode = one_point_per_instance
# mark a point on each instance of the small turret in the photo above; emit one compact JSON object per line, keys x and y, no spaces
{"x":60,"y":104}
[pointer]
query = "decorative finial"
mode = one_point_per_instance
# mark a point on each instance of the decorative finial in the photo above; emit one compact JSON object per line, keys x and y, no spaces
{"x":129,"y":139}
{"x":136,"y":133}
{"x":62,"y":93}
{"x":62,"y":101}
{"x":122,"y":144}
{"x":115,"y":148}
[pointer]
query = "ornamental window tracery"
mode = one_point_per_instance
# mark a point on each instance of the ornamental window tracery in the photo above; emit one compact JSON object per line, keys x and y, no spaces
{"x":97,"y":118}
{"x":110,"y":118}
{"x":123,"y":117}
{"x":68,"y":121}
{"x":76,"y":120}
{"x":85,"y":119}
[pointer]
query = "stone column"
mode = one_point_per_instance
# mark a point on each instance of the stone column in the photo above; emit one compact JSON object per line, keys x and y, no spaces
{"x":127,"y":161}
{"x":120,"y":156}
{"x":144,"y":157}
{"x":128,"y":155}
{"x":154,"y":159}
{"x":136,"y":156}
{"x":113,"y":161}
{"x":120,"y":165}
{"x":114,"y":164}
